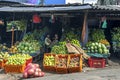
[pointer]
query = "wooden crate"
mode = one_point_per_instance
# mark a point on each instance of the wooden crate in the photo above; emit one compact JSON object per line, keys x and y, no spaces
{"x":46,"y":67}
{"x":61,"y":69}
{"x":74,"y":68}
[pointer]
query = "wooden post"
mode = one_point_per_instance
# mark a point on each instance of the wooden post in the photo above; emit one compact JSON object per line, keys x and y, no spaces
{"x":84,"y":28}
{"x":12,"y":36}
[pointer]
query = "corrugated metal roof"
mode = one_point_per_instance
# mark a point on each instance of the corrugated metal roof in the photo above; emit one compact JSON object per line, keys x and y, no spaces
{"x":49,"y":8}
{"x":107,"y":7}
{"x":43,"y":9}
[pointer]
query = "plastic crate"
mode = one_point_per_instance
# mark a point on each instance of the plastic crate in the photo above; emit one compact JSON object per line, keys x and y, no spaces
{"x":14,"y":68}
{"x":61,"y":70}
{"x":96,"y":62}
{"x":78,"y":68}
{"x":28,"y":61}
{"x":1,"y":64}
{"x":46,"y":67}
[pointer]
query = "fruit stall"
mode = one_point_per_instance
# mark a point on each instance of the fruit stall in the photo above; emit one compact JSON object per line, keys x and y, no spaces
{"x":68,"y":55}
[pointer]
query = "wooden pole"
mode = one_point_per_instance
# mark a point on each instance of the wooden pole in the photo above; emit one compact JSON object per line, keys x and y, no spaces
{"x":12,"y":36}
{"x":84,"y":27}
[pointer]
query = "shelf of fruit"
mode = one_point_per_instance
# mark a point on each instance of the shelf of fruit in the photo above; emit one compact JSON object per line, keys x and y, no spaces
{"x":96,"y":49}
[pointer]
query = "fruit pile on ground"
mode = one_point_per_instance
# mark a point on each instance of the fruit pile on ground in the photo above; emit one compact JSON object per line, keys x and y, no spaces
{"x":49,"y":60}
{"x":33,"y":70}
{"x":97,"y":48}
{"x":74,"y":62}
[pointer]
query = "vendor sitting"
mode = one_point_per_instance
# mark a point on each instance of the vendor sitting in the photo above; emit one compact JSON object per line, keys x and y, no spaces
{"x":55,"y":40}
{"x":47,"y":43}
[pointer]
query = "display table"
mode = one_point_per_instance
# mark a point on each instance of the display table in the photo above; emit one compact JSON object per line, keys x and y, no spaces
{"x":98,"y":55}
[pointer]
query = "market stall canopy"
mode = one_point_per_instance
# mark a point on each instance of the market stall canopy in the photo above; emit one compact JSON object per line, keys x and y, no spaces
{"x":24,"y":8}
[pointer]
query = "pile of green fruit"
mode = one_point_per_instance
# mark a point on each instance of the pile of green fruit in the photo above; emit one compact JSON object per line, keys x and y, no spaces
{"x":4,"y":55}
{"x":59,"y":49}
{"x":74,"y":62}
{"x":15,"y":61}
{"x":49,"y":60}
{"x":95,"y":47}
{"x":75,"y":42}
{"x":18,"y":59}
{"x":19,"y":55}
{"x":28,"y":47}
{"x":97,"y":35}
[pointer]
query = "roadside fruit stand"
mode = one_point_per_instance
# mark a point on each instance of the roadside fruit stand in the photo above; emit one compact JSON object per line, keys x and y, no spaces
{"x":68,"y":55}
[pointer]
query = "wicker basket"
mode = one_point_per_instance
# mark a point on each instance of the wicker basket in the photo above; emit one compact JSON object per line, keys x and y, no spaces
{"x":46,"y":67}
{"x":77,"y":68}
{"x":14,"y":68}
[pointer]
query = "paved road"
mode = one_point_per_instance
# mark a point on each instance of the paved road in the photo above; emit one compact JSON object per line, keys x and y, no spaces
{"x":99,"y":74}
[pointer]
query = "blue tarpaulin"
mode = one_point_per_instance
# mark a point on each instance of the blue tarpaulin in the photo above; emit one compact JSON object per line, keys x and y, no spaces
{"x":54,"y":2}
